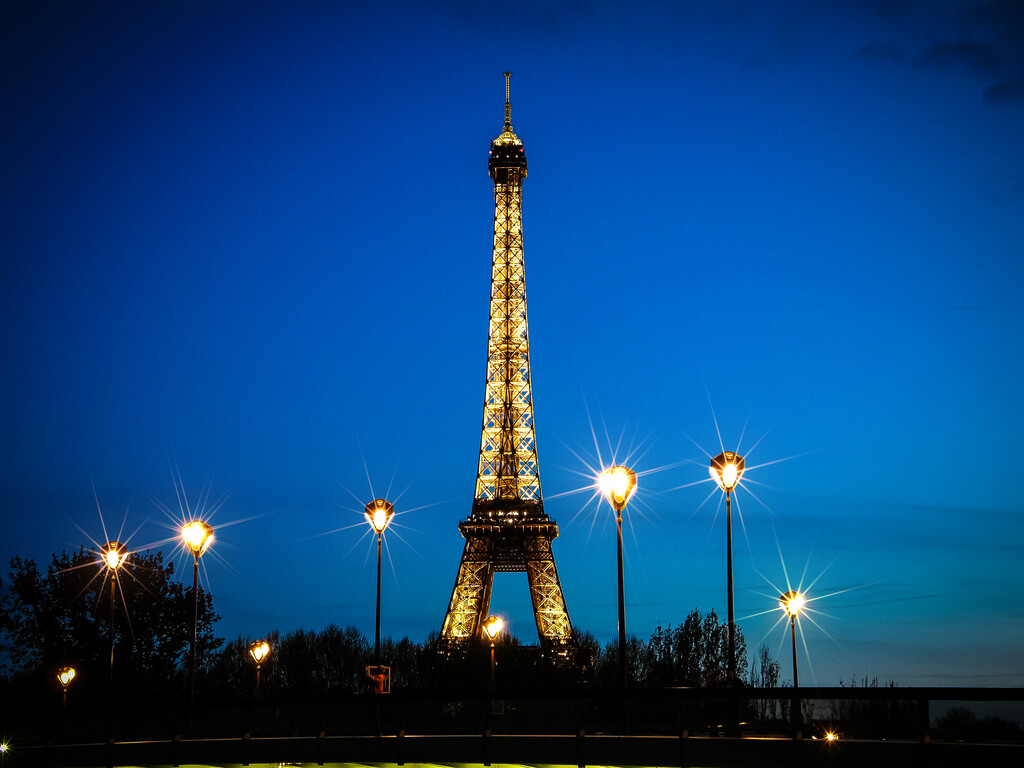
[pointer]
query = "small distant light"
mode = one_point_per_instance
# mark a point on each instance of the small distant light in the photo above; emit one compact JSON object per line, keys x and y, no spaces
{"x":3,"y":748}
{"x":831,"y":736}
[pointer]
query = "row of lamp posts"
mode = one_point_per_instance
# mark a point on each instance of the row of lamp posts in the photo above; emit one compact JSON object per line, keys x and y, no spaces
{"x":618,"y":484}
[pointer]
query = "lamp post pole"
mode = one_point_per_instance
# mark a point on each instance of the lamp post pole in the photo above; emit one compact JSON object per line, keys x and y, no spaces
{"x":792,"y":603}
{"x":114,"y":557}
{"x":728,"y":581}
{"x":492,"y":627}
{"x":378,"y":514}
{"x":618,"y":484}
{"x":726,"y":469}
{"x":198,"y":536}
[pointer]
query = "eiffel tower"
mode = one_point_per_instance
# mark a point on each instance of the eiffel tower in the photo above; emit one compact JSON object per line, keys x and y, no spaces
{"x":507,"y":529}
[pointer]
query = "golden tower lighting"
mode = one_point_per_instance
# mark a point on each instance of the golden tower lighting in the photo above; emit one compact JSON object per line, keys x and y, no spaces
{"x":618,"y":484}
{"x":378,"y":514}
{"x":726,"y":470}
{"x":507,"y":529}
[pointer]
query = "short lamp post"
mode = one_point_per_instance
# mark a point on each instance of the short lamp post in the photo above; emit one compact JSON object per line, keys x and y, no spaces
{"x":618,"y":484}
{"x":492,"y":628}
{"x":64,"y":676}
{"x":792,"y":602}
{"x":259,"y":651}
{"x":378,"y":514}
{"x":198,"y":536}
{"x":726,"y":470}
{"x":114,"y":556}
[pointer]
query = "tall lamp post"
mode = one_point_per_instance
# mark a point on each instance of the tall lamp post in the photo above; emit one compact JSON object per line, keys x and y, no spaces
{"x":493,"y":627}
{"x":198,"y":536}
{"x":726,"y":470}
{"x":618,"y":484}
{"x":378,"y":514}
{"x":259,"y":652}
{"x":64,"y":676}
{"x":114,"y":556}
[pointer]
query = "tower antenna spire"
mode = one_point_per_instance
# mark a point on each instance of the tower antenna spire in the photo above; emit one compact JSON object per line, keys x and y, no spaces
{"x":508,"y":105}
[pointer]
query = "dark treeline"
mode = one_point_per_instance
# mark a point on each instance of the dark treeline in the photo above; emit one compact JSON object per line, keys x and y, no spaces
{"x":62,"y":617}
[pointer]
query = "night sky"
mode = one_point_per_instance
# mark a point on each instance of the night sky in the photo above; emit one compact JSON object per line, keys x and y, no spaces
{"x":247,"y":246}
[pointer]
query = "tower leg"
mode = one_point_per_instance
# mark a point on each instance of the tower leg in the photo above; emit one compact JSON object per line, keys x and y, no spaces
{"x":471,"y":595}
{"x":549,"y":609}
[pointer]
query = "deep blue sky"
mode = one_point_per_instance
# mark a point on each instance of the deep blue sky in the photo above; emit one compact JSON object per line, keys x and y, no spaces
{"x":252,"y":241}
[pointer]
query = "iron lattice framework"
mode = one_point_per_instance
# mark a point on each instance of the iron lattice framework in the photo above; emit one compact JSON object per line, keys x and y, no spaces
{"x":507,"y":529}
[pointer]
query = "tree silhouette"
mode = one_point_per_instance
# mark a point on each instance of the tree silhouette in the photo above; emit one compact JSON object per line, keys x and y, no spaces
{"x":62,"y":618}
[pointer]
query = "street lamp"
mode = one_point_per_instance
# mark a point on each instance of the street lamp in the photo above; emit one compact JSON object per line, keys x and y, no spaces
{"x":726,"y":470}
{"x":113,"y":557}
{"x":198,"y":536}
{"x":259,"y":651}
{"x":618,"y":484}
{"x":792,"y":603}
{"x":378,"y":514}
{"x":64,"y":676}
{"x":493,"y":627}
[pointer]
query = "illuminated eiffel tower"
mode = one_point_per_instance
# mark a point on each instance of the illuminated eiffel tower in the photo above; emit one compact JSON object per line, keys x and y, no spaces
{"x":507,"y":529}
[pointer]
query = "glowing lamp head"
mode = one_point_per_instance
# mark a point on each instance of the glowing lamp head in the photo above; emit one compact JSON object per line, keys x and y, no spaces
{"x":726,"y":469}
{"x":493,"y":626}
{"x":3,"y":748}
{"x":259,"y":651}
{"x":65,"y":675}
{"x":618,"y":484}
{"x":831,"y":736}
{"x":114,"y":555}
{"x":378,"y":514}
{"x":792,"y":603}
{"x":198,"y":536}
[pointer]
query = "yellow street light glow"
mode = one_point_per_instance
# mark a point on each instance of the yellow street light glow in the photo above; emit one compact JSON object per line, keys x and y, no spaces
{"x":65,"y":675}
{"x":792,"y":602}
{"x":259,"y":651}
{"x":3,"y":748}
{"x":726,"y":469}
{"x":114,"y":555}
{"x":831,"y":736}
{"x":378,"y":514}
{"x":493,"y":626}
{"x":618,"y":484}
{"x":198,"y":536}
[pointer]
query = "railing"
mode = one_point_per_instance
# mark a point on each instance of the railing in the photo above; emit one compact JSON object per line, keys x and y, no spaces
{"x":678,"y":727}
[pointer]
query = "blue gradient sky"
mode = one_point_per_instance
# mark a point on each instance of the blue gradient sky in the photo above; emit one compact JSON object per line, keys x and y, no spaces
{"x":252,"y":241}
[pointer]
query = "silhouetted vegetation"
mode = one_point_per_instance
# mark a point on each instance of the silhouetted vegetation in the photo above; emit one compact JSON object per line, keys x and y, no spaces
{"x":62,"y":617}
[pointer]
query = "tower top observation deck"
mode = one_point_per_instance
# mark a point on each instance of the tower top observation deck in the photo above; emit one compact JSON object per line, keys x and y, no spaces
{"x":507,"y":150}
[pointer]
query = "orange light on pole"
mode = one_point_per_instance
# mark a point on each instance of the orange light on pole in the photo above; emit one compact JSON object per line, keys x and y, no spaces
{"x":64,"y":676}
{"x":198,"y":536}
{"x":259,"y":651}
{"x":378,"y":514}
{"x":113,"y":557}
{"x":492,"y":627}
{"x":726,"y":470}
{"x":618,"y":484}
{"x":792,"y":603}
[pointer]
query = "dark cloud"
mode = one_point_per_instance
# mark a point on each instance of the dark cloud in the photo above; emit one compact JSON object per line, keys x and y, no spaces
{"x":1005,"y":92}
{"x":977,"y":58}
{"x":881,"y":51}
